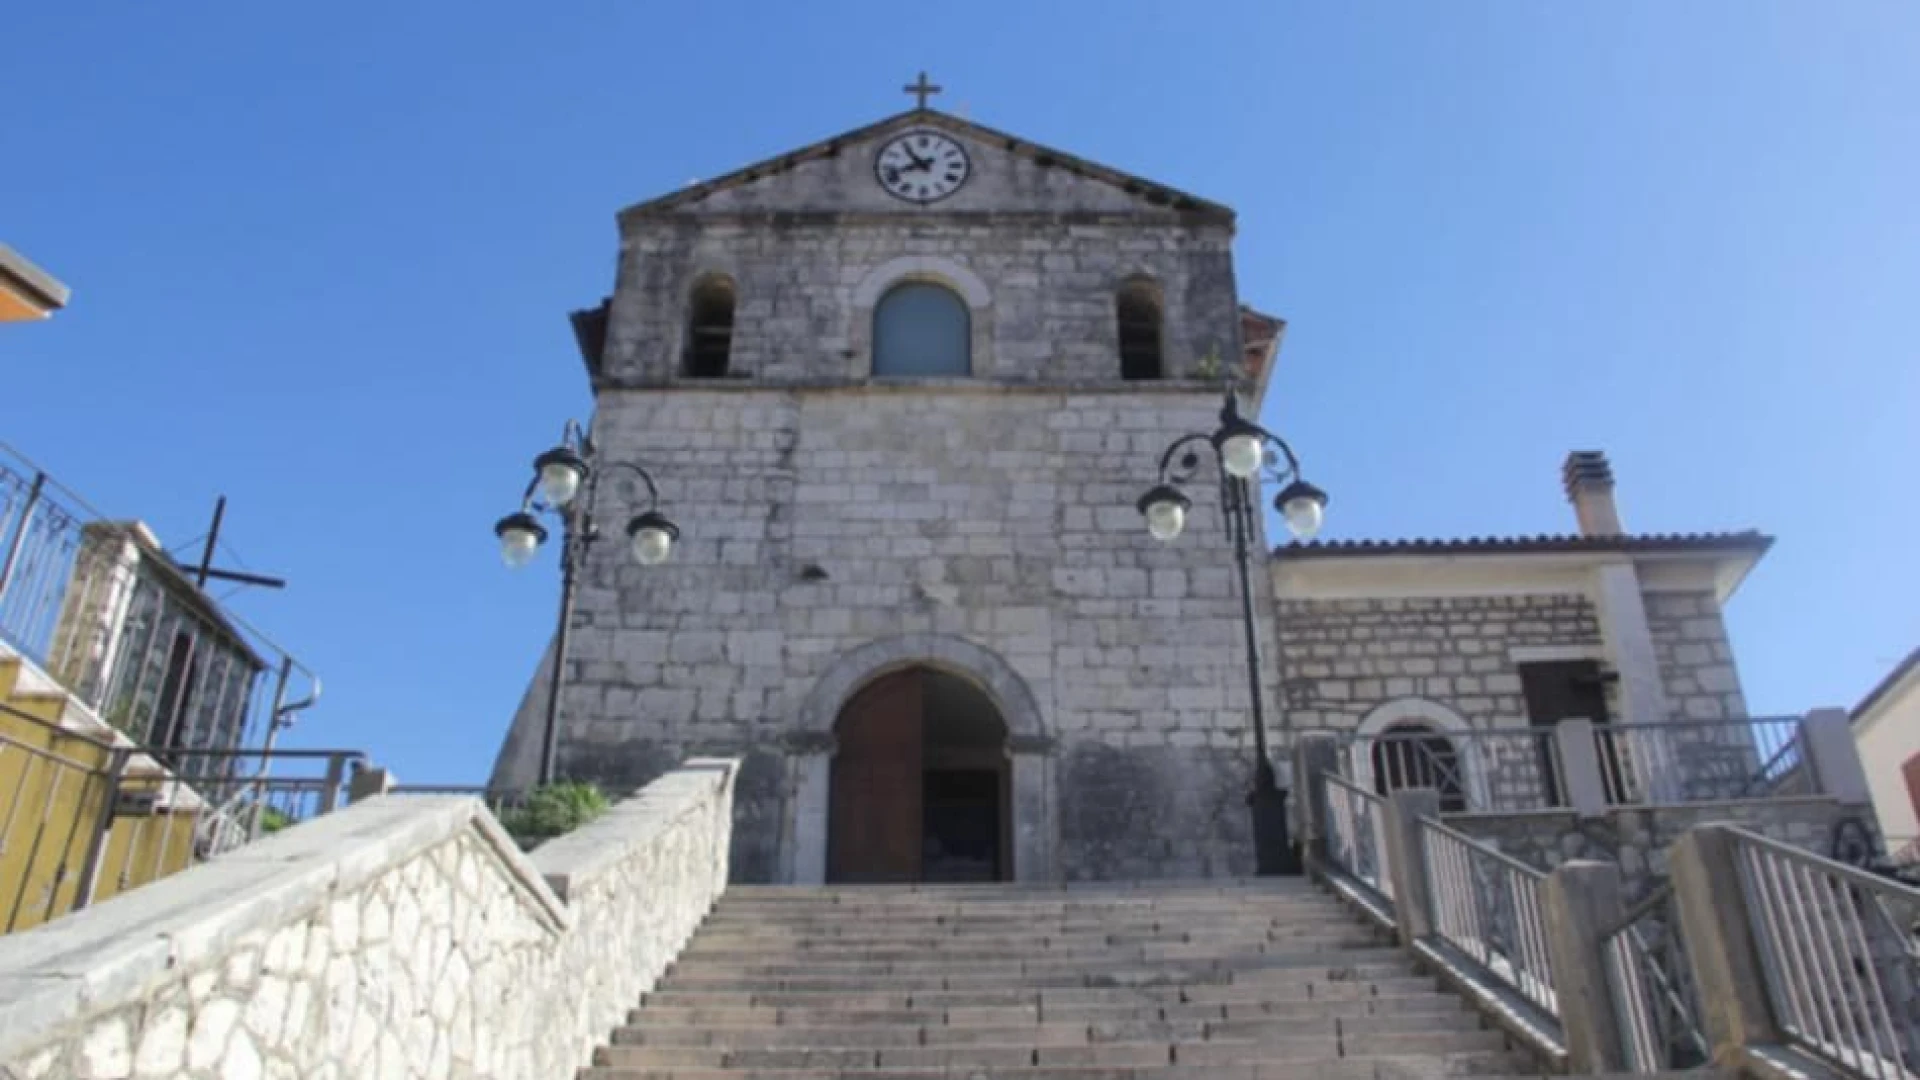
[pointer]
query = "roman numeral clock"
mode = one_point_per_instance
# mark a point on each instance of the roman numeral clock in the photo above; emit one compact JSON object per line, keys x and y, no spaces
{"x":921,"y":166}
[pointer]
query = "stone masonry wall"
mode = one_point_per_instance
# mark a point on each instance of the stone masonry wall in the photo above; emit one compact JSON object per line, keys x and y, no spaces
{"x":1696,"y":659}
{"x":818,"y":522}
{"x":1341,"y":659}
{"x":801,"y":313}
{"x":1048,"y":247}
{"x":1638,"y":837}
{"x":402,"y":938}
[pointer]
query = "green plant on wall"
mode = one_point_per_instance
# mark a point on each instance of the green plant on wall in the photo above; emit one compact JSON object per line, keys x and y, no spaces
{"x":1212,"y":367}
{"x":553,"y":810}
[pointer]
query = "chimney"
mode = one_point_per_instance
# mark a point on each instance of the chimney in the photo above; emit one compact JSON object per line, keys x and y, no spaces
{"x":1589,"y":481}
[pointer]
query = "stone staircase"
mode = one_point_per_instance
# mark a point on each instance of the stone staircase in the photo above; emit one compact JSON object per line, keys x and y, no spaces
{"x":1187,"y":980}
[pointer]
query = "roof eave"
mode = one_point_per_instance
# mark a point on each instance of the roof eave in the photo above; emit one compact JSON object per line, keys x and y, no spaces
{"x":1176,"y":200}
{"x":46,"y":290}
{"x":1883,"y":690}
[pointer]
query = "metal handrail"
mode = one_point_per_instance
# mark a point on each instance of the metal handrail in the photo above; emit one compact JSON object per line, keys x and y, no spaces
{"x":88,"y":814}
{"x":1355,"y":819}
{"x":1838,"y":953}
{"x":1651,"y":981}
{"x":1487,"y":906}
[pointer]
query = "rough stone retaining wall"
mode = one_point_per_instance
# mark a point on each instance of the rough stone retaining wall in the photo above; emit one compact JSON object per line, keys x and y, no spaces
{"x":1639,"y":837}
{"x":404,"y":938}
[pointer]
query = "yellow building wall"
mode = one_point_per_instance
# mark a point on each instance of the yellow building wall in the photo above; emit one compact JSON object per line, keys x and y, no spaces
{"x":53,"y":795}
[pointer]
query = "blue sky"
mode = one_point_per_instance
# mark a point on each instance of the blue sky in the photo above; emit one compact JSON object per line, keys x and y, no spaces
{"x":322,"y":257}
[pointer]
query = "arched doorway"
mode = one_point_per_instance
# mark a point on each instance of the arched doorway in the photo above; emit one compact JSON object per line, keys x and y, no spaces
{"x":1413,"y":755}
{"x":920,"y":784}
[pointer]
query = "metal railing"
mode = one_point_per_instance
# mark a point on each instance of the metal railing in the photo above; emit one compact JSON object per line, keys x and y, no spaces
{"x":1839,"y":955}
{"x":1654,"y":995}
{"x":1509,"y":769}
{"x":1493,"y":769}
{"x":82,"y":819}
{"x":1486,"y":905}
{"x":99,"y":605}
{"x":1696,"y":760}
{"x":1356,"y":835}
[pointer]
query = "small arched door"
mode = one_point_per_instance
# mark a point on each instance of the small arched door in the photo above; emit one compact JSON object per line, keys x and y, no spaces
{"x":920,"y":785}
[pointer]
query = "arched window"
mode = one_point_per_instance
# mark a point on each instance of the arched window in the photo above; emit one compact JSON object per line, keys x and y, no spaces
{"x":1413,"y":755}
{"x":710,"y":328}
{"x":921,"y":329}
{"x":1137,"y":307}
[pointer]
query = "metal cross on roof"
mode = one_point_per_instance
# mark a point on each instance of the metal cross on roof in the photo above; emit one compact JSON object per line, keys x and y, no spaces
{"x":921,"y":90}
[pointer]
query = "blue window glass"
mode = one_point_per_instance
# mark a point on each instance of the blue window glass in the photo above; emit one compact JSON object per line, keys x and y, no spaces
{"x":921,"y":329}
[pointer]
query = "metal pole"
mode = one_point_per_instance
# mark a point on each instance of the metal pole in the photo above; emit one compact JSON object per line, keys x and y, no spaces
{"x":20,"y":531}
{"x":213,"y":538}
{"x":549,"y":741}
{"x":1272,"y":847}
{"x":102,"y":838}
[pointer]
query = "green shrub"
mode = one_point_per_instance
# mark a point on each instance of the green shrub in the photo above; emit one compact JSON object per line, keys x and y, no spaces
{"x":273,"y":820}
{"x":553,"y":810}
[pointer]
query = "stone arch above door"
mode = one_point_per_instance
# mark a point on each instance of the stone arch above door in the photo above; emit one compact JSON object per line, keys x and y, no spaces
{"x":859,"y":666}
{"x":1029,"y":745}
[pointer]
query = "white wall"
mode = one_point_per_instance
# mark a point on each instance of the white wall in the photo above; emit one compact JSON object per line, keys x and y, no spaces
{"x":1888,"y":734}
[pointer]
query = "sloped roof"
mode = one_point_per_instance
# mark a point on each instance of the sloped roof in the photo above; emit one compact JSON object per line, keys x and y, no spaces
{"x":1747,"y":541}
{"x":1886,"y":685}
{"x":1151,"y":191}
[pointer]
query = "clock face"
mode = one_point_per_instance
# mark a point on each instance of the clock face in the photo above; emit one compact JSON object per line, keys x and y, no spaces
{"x":921,"y":166}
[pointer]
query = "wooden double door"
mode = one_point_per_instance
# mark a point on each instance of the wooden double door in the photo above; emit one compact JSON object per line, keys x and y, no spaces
{"x":920,"y":784}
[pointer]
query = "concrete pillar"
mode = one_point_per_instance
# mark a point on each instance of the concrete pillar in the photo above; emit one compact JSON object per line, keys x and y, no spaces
{"x":1718,"y":930}
{"x":1406,"y":860}
{"x":1031,"y":759}
{"x":1315,"y":755}
{"x":810,"y":759}
{"x":1580,"y":903}
{"x":1579,"y":757}
{"x":369,"y":781}
{"x":1829,"y":750}
{"x":1643,"y":693}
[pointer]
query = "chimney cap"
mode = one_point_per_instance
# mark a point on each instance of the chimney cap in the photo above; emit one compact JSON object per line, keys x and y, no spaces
{"x":1587,"y":470}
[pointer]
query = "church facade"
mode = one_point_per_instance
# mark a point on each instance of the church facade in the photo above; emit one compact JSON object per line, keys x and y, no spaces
{"x":901,"y":390}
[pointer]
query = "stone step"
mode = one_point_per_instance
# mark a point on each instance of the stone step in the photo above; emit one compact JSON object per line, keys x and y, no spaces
{"x":984,"y":953}
{"x":1251,"y":889}
{"x":1431,"y":1004}
{"x":1329,"y":967}
{"x":1196,"y":929}
{"x":844,"y":967}
{"x":893,"y":929}
{"x":644,"y":1032}
{"x":1163,"y":909}
{"x":924,"y":908}
{"x":935,"y":998}
{"x":1390,"y":1067}
{"x":1030,"y":1051}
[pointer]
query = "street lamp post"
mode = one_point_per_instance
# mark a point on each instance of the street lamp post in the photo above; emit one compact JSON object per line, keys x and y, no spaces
{"x":1243,"y":452}
{"x":558,"y":476}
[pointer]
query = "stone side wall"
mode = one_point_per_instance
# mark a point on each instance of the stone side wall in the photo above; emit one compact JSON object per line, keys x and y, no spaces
{"x":402,"y":938}
{"x":1696,"y":659}
{"x":816,"y":523}
{"x":1341,"y":659}
{"x":1638,"y":837}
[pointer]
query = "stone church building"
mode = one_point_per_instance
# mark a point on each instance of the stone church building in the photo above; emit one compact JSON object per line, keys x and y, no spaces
{"x":901,"y":389}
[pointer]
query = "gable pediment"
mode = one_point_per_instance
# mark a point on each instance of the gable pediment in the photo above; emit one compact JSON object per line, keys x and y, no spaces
{"x":1007,"y":175}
